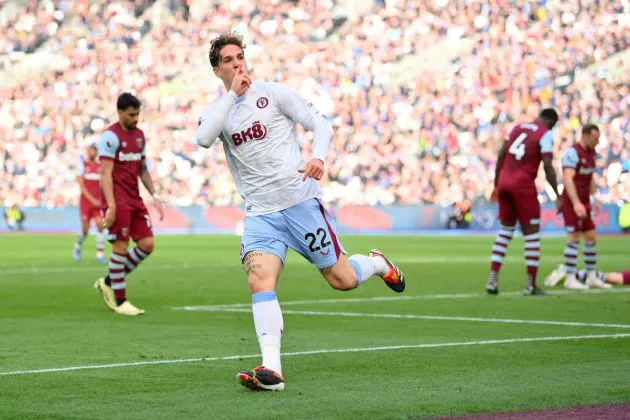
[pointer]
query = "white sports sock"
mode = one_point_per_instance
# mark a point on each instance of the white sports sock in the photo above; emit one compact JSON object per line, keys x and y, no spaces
{"x":269,"y":324}
{"x":380,"y":266}
{"x":365,"y":266}
{"x":100,"y":243}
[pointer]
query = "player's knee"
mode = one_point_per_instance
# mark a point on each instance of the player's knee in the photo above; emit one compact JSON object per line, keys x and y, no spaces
{"x":259,"y":280}
{"x":590,"y":236}
{"x":147,"y":246}
{"x":573,"y":237}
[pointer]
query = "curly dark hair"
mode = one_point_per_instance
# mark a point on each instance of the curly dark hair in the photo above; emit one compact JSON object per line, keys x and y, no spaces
{"x":226,"y":38}
{"x":126,"y":100}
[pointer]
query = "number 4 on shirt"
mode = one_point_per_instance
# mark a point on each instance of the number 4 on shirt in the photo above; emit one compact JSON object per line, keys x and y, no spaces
{"x":517,"y":148}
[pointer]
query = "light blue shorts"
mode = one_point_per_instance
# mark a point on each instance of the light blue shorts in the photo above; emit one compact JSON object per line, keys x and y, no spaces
{"x":306,"y":227}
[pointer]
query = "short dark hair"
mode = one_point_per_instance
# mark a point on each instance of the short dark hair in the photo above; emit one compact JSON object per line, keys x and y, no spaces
{"x":589,"y":128}
{"x":226,"y":38}
{"x":550,"y":115}
{"x":126,"y":100}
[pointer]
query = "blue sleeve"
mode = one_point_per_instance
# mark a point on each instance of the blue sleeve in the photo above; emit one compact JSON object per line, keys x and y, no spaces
{"x":546,"y":142}
{"x":108,"y":145}
{"x":570,"y":158}
{"x":81,"y":168}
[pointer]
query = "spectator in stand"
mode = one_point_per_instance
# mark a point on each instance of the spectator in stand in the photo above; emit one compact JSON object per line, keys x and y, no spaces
{"x":14,"y":217}
{"x":422,"y":140}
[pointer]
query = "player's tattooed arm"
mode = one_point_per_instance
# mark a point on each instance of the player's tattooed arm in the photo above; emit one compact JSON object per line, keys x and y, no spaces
{"x":250,"y":263}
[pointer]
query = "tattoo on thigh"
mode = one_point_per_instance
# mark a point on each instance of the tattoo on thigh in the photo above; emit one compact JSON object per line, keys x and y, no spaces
{"x":249,"y":262}
{"x":249,"y":267}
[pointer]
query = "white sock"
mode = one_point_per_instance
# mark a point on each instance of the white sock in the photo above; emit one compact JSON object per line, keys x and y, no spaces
{"x":100,"y":244}
{"x":364,"y":266}
{"x":380,"y":266}
{"x":269,"y":324}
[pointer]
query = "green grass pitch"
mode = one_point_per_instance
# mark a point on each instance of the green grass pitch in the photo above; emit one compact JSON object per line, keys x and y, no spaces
{"x":441,"y":348}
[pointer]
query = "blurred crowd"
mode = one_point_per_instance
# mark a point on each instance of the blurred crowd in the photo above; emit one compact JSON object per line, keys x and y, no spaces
{"x":25,"y":27}
{"x":430,"y":137}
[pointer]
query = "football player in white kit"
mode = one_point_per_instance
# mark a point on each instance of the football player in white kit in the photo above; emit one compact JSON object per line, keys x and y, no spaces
{"x":256,"y":121}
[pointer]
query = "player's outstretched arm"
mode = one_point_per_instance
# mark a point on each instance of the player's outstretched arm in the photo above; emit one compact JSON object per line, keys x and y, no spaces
{"x":614,"y":278}
{"x":212,"y":120}
{"x":147,"y":181}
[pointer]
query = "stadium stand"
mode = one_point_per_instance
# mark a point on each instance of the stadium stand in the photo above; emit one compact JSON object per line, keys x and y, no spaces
{"x":405,"y":133}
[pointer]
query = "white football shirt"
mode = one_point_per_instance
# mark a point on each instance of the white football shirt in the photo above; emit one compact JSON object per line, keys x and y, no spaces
{"x":261,"y":145}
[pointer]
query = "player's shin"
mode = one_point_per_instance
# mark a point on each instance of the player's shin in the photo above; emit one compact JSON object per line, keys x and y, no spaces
{"x":532,"y":258}
{"x":100,"y":244}
{"x":590,"y":256}
{"x":117,"y":277}
{"x":76,"y":252}
{"x":80,"y":239}
{"x":499,"y":249}
{"x":269,"y":325}
{"x":133,"y":258}
{"x":570,"y":256}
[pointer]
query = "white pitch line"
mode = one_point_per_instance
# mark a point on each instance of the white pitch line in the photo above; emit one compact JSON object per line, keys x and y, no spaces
{"x":323,"y":351}
{"x":403,"y":260}
{"x":400,"y":298}
{"x":435,"y":318}
{"x":102,"y":268}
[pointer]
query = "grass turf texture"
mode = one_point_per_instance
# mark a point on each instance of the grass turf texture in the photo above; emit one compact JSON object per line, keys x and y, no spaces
{"x":50,"y":317}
